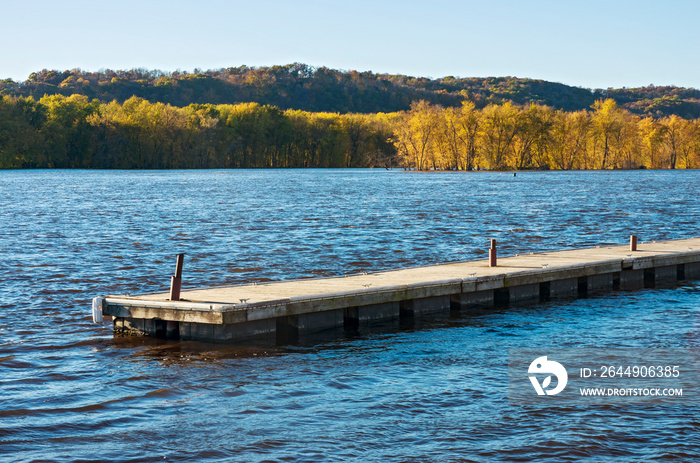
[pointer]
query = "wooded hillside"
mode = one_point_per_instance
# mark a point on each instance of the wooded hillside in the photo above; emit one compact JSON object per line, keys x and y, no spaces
{"x":301,"y":87}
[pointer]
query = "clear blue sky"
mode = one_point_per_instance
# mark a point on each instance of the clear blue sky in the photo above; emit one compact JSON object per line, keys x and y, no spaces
{"x":587,"y":43}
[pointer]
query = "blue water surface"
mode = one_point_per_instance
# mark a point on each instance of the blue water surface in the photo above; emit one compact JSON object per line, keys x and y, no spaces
{"x":433,"y":391}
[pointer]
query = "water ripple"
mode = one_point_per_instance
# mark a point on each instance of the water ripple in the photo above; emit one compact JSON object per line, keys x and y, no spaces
{"x":434,"y":391}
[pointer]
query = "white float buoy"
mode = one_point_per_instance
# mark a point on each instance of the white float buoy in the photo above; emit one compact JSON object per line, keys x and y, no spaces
{"x":97,"y":309}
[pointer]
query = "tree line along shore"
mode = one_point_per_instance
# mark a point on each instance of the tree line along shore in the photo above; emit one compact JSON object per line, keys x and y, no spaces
{"x":58,"y":131}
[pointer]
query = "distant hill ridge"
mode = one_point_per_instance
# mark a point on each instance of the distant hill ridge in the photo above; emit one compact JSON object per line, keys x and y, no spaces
{"x":303,"y":87}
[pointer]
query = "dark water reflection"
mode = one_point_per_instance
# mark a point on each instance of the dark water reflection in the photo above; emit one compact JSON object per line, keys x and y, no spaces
{"x":433,"y":391}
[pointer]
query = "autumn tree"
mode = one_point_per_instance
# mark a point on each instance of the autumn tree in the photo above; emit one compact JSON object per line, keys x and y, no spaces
{"x":569,"y":136}
{"x":470,"y":120}
{"x":652,"y":133}
{"x":607,"y":122}
{"x":415,"y":135}
{"x":674,"y":126}
{"x":532,"y":136}
{"x":66,"y":129}
{"x":498,"y":132}
{"x":449,"y":140}
{"x":626,"y":143}
{"x":458,"y":136}
{"x":22,"y":140}
{"x":686,"y":134}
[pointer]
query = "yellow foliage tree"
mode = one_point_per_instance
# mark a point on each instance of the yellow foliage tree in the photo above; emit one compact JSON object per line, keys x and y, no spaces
{"x":499,"y":130}
{"x":607,"y":123}
{"x":415,"y":136}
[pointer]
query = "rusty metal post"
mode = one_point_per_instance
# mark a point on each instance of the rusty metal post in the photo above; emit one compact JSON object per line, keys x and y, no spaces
{"x":492,"y":254}
{"x":633,"y":242}
{"x":176,"y":280}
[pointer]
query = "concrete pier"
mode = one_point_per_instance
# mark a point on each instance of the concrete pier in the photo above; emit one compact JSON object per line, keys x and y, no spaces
{"x":284,"y":311}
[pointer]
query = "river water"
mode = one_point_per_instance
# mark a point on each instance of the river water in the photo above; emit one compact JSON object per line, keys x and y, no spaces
{"x":434,"y":391}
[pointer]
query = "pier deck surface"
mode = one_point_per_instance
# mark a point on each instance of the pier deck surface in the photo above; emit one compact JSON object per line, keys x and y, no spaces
{"x":547,"y":266}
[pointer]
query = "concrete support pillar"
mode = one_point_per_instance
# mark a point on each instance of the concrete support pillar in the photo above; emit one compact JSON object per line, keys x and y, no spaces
{"x":523,"y":293}
{"x":564,"y":289}
{"x":656,"y":277}
{"x":290,"y":328}
{"x":172,"y":330}
{"x":369,"y":314}
{"x":287,"y":329}
{"x":680,"y":272}
{"x":351,"y":319}
{"x":631,"y":280}
{"x":472,"y":303}
{"x":416,"y":307}
{"x":692,"y":271}
{"x":582,"y":283}
{"x":597,"y":284}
